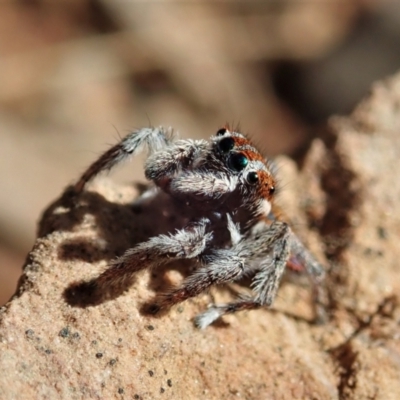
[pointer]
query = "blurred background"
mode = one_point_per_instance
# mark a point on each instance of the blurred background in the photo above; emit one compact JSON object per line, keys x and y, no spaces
{"x":75,"y":75}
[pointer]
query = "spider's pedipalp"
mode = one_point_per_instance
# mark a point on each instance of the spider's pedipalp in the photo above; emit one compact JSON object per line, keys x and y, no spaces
{"x":234,"y":230}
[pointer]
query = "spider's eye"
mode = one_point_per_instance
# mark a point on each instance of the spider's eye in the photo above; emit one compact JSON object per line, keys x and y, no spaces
{"x":272,"y":190}
{"x":238,"y":161}
{"x":226,"y":144}
{"x":252,"y":177}
{"x":221,"y":132}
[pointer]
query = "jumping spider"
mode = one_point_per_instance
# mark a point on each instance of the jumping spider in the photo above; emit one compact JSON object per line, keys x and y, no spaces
{"x":223,"y":190}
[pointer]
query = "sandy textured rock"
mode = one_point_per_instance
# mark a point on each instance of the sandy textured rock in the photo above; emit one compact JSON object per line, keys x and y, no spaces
{"x":344,"y":201}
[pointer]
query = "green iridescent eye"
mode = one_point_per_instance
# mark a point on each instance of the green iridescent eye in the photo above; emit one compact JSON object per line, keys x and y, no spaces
{"x":252,"y":177}
{"x":226,"y":144}
{"x":238,"y":161}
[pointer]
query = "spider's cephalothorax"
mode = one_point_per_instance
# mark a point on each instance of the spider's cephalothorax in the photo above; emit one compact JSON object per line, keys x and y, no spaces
{"x":222,"y":191}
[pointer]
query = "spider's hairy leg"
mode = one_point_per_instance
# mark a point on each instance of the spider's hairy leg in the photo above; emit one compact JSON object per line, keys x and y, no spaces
{"x":316,"y":275}
{"x":203,"y":185}
{"x":220,"y":266}
{"x":270,"y":248}
{"x":301,"y":260}
{"x":152,"y":138}
{"x":165,"y":164}
{"x":274,"y":246}
{"x":305,"y":258}
{"x":184,"y":244}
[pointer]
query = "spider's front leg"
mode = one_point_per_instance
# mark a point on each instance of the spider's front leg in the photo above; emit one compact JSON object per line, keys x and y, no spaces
{"x":152,"y":138}
{"x":187,"y":243}
{"x":201,"y":186}
{"x":269,"y":248}
{"x":220,"y":266}
{"x":180,"y":170}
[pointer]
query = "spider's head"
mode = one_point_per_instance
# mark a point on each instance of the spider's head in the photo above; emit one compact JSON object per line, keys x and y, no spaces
{"x":239,"y":158}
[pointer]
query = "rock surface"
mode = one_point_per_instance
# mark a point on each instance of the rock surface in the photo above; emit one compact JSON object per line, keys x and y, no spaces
{"x":344,"y":201}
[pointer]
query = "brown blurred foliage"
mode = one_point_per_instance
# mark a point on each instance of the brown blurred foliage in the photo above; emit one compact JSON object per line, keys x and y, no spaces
{"x":75,"y":75}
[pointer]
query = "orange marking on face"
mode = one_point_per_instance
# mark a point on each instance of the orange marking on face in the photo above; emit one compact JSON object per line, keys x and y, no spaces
{"x":250,"y":154}
{"x":240,"y":141}
{"x":266,"y":182}
{"x":253,"y":156}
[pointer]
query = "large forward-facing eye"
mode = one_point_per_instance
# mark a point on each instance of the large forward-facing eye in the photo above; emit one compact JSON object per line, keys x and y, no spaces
{"x":238,"y":161}
{"x":226,"y":144}
{"x":252,"y":177}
